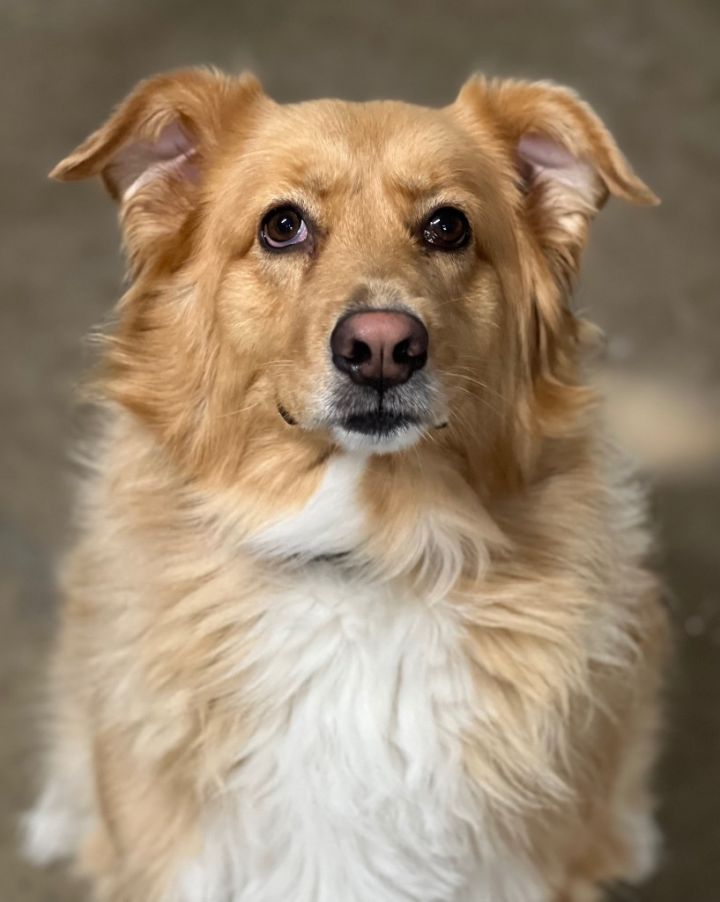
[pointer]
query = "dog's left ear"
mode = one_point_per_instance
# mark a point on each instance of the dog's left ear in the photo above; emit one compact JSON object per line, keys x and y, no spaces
{"x":565,"y":160}
{"x":565,"y":164}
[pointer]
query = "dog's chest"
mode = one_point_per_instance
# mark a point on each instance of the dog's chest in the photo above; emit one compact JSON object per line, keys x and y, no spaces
{"x":357,"y":767}
{"x":332,"y":521}
{"x":353,"y":786}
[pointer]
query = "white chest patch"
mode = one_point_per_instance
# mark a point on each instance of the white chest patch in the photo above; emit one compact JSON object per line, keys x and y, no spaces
{"x":352,"y":788}
{"x":330,"y":523}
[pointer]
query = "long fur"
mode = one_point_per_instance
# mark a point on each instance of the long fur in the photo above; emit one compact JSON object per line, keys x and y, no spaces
{"x":292,"y":672}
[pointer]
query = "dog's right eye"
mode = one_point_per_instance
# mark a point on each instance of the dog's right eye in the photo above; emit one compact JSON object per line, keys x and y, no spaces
{"x":447,"y":229}
{"x":283,"y":227}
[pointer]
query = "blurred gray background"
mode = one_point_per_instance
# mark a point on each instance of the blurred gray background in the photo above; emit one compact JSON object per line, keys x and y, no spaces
{"x":651,"y":69}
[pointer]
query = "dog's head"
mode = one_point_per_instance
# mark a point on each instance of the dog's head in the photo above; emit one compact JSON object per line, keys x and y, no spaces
{"x":331,"y":275}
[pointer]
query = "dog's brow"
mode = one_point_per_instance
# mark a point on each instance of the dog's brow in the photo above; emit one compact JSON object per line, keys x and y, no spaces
{"x":317,"y":187}
{"x":318,"y":184}
{"x":414,"y":187}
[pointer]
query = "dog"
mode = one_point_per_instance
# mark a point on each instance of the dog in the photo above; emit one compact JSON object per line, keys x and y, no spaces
{"x":359,"y":608}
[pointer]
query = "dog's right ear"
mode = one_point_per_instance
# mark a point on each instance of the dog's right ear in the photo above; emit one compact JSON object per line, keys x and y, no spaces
{"x":150,"y":153}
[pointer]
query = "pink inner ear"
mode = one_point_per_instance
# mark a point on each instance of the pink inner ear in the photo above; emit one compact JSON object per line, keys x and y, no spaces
{"x":550,"y":161}
{"x":140,"y":162}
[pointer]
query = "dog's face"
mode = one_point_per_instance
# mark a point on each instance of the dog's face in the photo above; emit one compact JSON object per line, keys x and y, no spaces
{"x":358,"y":280}
{"x":358,"y":276}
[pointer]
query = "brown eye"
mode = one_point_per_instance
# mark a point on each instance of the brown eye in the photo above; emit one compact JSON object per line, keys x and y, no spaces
{"x":283,"y":227}
{"x":447,"y":229}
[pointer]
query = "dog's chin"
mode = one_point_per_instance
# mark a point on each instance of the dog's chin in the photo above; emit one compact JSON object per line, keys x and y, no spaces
{"x":377,"y":434}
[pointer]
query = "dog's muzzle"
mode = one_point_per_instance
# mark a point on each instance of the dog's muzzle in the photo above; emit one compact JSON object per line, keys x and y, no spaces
{"x":382,"y":394}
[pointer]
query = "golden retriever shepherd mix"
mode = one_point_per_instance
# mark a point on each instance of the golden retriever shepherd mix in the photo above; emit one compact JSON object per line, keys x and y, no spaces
{"x":359,"y":610}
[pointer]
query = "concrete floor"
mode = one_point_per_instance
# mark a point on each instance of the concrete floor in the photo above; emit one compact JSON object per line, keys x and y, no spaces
{"x":653,"y":71}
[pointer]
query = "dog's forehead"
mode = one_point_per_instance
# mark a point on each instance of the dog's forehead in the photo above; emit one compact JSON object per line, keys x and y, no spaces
{"x":415,"y":149}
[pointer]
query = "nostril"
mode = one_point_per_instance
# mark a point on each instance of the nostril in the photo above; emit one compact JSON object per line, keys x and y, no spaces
{"x":404,"y":358}
{"x":361,"y":352}
{"x":352,"y":355}
{"x":401,"y":351}
{"x":409,"y":353}
{"x":412,"y":351}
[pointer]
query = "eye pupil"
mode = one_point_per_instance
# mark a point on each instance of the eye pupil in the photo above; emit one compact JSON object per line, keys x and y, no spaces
{"x":447,"y":229}
{"x":283,"y":227}
{"x":286,"y":224}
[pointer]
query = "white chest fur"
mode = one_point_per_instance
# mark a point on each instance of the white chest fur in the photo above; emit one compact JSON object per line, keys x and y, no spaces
{"x":330,"y":523}
{"x":352,"y":788}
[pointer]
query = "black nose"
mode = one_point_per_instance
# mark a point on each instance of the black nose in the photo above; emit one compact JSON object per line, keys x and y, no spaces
{"x":380,"y":348}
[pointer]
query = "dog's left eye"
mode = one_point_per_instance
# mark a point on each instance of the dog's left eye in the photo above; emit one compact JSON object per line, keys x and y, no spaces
{"x":447,"y":229}
{"x":283,"y":227}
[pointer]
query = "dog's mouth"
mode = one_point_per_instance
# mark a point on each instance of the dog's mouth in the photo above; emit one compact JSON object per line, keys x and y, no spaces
{"x":362,"y":419}
{"x":379,"y":430}
{"x":378,"y":423}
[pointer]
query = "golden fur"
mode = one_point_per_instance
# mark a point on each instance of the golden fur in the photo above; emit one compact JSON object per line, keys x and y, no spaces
{"x":517,"y":514}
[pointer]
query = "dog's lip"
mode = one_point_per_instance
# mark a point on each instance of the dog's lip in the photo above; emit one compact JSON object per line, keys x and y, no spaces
{"x":288,"y":417}
{"x":377,"y":422}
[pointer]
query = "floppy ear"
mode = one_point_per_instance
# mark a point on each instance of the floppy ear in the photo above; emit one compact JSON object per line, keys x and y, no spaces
{"x":565,"y":163}
{"x":150,"y":153}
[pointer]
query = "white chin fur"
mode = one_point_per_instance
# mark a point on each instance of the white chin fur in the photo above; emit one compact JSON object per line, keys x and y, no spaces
{"x":372,"y":444}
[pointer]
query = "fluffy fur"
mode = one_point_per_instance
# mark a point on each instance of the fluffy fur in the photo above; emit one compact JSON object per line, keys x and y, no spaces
{"x":299,"y":667}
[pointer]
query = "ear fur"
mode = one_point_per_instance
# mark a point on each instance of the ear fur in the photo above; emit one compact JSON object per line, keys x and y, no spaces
{"x":151,"y":151}
{"x":565,"y":163}
{"x":558,"y":135}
